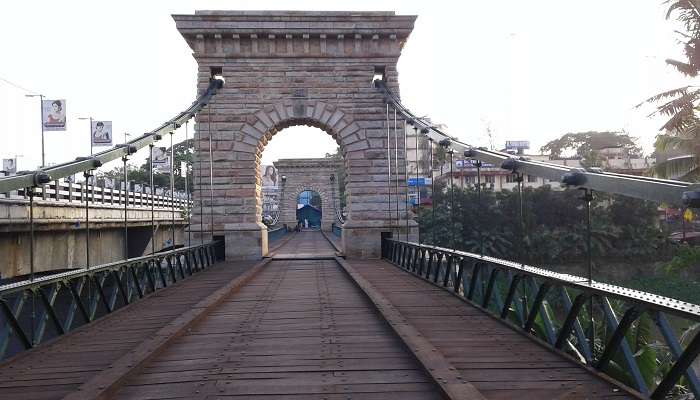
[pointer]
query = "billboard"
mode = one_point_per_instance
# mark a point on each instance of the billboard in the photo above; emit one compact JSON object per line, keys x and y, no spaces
{"x":518,"y":144}
{"x":183,"y":169}
{"x":470,"y":163}
{"x":160,"y":158}
{"x":101,"y":133}
{"x":54,"y":115}
{"x":269,"y":177}
{"x":9,"y":165}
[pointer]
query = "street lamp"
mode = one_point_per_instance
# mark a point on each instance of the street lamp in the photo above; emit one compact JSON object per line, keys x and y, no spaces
{"x":41,"y":106}
{"x":90,"y":128}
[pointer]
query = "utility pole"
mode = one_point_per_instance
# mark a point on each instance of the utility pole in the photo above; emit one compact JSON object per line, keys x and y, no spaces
{"x":41,"y":107}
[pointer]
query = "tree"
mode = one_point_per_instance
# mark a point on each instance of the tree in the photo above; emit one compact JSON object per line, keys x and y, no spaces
{"x":554,"y":222}
{"x":183,"y":152}
{"x":682,"y":128}
{"x":586,"y":145}
{"x":340,"y":175}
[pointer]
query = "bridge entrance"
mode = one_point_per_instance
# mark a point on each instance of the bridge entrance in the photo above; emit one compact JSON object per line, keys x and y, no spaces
{"x":295,"y":68}
{"x":309,"y":210}
{"x":309,"y":190}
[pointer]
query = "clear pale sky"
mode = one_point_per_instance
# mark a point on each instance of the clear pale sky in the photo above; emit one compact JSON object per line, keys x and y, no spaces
{"x":531,"y":70}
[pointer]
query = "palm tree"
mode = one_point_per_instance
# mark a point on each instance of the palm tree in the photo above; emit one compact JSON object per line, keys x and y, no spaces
{"x":680,"y":106}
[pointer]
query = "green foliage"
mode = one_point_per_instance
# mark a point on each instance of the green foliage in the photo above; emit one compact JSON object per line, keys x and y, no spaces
{"x":183,"y":152}
{"x":340,"y":175}
{"x":685,"y":257}
{"x":553,"y":222}
{"x":586,"y":145}
{"x":680,"y":105}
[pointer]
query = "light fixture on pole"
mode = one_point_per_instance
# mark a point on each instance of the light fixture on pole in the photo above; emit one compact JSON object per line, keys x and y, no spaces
{"x":41,"y":106}
{"x":90,"y":119}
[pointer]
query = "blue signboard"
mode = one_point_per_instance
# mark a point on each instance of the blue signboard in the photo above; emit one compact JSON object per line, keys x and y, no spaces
{"x":419,"y":181}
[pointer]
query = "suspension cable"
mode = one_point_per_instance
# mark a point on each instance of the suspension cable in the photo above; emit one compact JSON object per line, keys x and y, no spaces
{"x":81,"y":164}
{"x":405,"y":180}
{"x":415,"y":132}
{"x":396,"y":172}
{"x":646,"y":188}
{"x":388,"y":160}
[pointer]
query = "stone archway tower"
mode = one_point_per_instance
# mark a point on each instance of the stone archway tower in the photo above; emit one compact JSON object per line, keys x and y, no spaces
{"x":287,"y":68}
{"x":312,"y":174}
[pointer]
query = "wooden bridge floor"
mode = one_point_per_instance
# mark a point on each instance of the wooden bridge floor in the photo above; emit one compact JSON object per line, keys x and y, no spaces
{"x":301,"y":329}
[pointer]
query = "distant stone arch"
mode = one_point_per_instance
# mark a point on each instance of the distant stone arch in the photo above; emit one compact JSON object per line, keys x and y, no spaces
{"x":312,"y":174}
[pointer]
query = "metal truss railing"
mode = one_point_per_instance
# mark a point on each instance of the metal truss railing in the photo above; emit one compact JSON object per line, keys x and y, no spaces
{"x":671,"y":192}
{"x":62,"y":191}
{"x":32,"y":312}
{"x":337,"y":230}
{"x":276,"y":234}
{"x":539,"y":302}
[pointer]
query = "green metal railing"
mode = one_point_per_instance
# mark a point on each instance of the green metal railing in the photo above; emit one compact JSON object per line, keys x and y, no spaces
{"x":32,"y":312}
{"x":556,"y":308}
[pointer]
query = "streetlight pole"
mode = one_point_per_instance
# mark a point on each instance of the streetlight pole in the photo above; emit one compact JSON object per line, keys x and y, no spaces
{"x":41,"y":106}
{"x":90,"y":119}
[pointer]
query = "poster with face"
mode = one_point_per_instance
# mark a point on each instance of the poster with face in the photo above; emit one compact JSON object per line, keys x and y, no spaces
{"x":138,"y":188}
{"x":54,"y":115}
{"x":160,"y":158}
{"x":9,"y":165}
{"x":101,"y":132}
{"x":269,"y":178}
{"x":109,"y":183}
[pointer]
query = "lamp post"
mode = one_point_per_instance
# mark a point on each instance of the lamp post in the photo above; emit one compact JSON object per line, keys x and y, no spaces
{"x":90,"y":128}
{"x":41,"y":106}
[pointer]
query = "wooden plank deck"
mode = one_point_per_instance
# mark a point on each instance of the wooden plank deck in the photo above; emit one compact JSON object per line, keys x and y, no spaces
{"x":299,"y":330}
{"x":306,"y":326}
{"x":500,"y":362}
{"x":58,"y":368}
{"x":305,"y":244}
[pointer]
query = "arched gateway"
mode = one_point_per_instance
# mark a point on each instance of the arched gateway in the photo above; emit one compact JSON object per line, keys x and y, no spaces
{"x":309,"y":174}
{"x":294,"y":68}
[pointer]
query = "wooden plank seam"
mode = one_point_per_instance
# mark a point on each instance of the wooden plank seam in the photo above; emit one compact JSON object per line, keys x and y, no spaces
{"x":438,"y":368}
{"x":106,"y":383}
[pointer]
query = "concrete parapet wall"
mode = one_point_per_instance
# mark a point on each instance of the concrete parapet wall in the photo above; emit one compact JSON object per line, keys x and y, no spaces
{"x":50,"y":215}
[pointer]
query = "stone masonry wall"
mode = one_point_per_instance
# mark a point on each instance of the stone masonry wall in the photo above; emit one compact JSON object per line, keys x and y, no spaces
{"x":294,"y":68}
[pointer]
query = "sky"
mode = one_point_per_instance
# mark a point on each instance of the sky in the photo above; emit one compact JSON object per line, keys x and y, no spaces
{"x":527,"y":70}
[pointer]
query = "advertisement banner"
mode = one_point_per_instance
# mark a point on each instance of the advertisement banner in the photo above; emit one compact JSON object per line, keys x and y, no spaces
{"x":54,"y":113}
{"x":101,"y":132}
{"x":160,"y":158}
{"x":9,"y":165}
{"x":269,"y":178}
